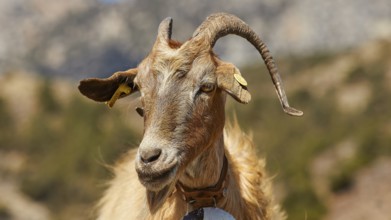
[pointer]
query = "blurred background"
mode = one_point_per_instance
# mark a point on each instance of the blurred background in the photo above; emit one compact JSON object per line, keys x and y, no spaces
{"x":334,"y":57}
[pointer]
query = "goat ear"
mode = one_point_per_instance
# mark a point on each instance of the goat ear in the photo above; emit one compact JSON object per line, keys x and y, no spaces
{"x":119,"y":85}
{"x":230,"y":80}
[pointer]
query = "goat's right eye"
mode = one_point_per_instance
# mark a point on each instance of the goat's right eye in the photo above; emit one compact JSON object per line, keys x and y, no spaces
{"x":208,"y":87}
{"x":140,"y":111}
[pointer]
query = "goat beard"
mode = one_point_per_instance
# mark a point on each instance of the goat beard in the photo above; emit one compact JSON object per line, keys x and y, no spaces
{"x":156,"y":199}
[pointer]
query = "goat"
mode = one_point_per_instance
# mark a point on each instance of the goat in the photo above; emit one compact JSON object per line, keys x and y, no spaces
{"x":186,"y":160}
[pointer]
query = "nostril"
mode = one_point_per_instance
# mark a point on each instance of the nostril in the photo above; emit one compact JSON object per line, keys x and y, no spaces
{"x":149,"y":156}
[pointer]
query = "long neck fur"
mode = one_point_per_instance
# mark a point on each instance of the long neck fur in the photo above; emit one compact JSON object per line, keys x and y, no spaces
{"x":249,"y":193}
{"x":204,"y":171}
{"x":247,"y":182}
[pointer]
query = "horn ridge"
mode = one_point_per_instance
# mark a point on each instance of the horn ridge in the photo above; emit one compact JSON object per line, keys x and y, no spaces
{"x":221,"y":24}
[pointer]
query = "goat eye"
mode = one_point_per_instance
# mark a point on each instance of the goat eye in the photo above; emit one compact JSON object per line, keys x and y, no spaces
{"x":140,"y":111}
{"x":208,"y":87}
{"x":181,"y":73}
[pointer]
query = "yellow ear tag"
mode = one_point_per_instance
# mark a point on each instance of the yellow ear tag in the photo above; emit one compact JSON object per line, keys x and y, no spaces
{"x":239,"y":78}
{"x":122,"y":89}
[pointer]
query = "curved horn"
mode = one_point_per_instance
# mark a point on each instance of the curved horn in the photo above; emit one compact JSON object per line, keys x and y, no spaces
{"x":221,"y":24}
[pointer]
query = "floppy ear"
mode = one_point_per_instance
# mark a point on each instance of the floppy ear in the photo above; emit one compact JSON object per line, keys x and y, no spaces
{"x":119,"y":85}
{"x":230,"y":80}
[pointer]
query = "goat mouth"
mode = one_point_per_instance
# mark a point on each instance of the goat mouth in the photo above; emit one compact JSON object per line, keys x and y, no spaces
{"x":157,"y":179}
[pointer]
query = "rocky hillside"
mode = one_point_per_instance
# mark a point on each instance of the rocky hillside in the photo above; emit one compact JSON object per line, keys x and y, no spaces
{"x":73,"y":37}
{"x":333,"y":163}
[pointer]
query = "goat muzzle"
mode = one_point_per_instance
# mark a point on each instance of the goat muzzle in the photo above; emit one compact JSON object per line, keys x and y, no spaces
{"x":155,"y":168}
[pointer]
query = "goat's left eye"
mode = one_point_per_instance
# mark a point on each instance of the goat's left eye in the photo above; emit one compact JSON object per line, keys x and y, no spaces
{"x":208,"y":87}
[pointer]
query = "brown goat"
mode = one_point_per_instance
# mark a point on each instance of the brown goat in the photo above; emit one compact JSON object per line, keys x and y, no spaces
{"x":186,"y":160}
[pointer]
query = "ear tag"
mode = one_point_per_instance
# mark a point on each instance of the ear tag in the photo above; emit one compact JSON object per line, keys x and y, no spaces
{"x":122,"y":89}
{"x":239,"y":78}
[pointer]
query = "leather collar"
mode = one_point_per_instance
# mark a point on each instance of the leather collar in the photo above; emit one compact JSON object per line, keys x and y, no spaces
{"x":209,"y":196}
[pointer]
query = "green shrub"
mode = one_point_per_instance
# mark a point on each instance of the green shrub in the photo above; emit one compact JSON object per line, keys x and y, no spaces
{"x":68,"y":149}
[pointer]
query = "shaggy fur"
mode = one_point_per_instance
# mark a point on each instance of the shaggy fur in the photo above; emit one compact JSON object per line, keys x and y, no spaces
{"x":249,"y":192}
{"x":183,"y":91}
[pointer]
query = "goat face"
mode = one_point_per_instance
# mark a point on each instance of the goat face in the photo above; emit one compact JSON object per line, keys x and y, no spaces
{"x":183,"y":89}
{"x":183,"y":113}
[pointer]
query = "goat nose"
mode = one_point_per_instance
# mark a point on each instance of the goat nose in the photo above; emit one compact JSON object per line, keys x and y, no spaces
{"x":150,"y":155}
